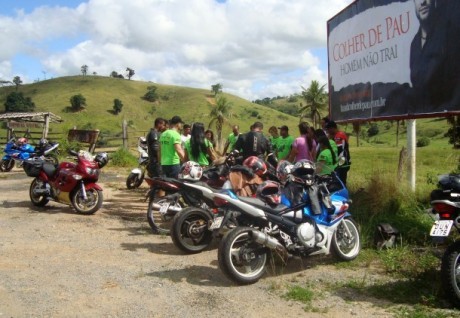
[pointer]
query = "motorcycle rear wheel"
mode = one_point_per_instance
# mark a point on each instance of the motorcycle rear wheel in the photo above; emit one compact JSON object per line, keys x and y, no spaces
{"x":189,"y":230}
{"x":91,"y":204}
{"x":242,"y":259}
{"x":159,"y":222}
{"x":346,"y":243}
{"x":6,"y":165}
{"x":134,"y":181}
{"x":450,"y":273}
{"x":37,"y":200}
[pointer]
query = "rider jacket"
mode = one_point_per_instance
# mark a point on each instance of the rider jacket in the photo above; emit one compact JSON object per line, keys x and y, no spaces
{"x":253,"y":143}
{"x":153,"y":144}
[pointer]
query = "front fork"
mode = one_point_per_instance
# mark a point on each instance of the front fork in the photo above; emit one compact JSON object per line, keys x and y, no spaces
{"x":83,"y":190}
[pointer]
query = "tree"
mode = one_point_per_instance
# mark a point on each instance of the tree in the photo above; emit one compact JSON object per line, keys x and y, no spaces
{"x":16,"y":102}
{"x":78,"y":102}
{"x":117,"y":106}
{"x":84,"y":70}
{"x":454,"y":131}
{"x":17,"y":81}
{"x":151,"y":94}
{"x":130,"y":72}
{"x":216,"y":88}
{"x":316,"y":99}
{"x":219,"y":115}
{"x":114,"y":74}
{"x":3,"y":82}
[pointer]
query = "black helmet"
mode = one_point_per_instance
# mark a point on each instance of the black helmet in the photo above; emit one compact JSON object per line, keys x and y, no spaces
{"x":102,"y":159}
{"x":304,"y":172}
{"x":270,"y":192}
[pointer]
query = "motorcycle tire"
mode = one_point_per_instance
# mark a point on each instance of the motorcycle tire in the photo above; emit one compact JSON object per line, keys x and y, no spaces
{"x":242,"y":259}
{"x":134,"y":181}
{"x":346,"y":243}
{"x":88,"y":206}
{"x":37,"y":200}
{"x":6,"y":165}
{"x":160,"y":223}
{"x":189,"y":230}
{"x":450,"y":273}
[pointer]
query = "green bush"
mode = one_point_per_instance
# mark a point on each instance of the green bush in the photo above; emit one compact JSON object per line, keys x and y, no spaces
{"x":123,"y":158}
{"x":373,"y":130}
{"x":423,"y":142}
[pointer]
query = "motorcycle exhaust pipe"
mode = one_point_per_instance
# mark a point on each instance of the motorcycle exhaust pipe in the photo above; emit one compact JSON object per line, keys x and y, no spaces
{"x":270,"y":242}
{"x":173,"y":209}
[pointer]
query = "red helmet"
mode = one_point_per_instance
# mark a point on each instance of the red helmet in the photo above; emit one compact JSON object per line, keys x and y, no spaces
{"x":256,"y":164}
{"x":269,"y":192}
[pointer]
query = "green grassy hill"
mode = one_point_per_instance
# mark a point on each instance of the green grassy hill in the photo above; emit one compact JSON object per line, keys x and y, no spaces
{"x":191,"y":104}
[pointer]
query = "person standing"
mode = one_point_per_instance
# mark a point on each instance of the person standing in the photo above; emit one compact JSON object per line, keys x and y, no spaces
{"x":153,"y":147}
{"x":231,"y":140}
{"x":303,"y":147}
{"x":171,"y":151}
{"x":274,"y":138}
{"x":341,"y":140}
{"x":198,"y":148}
{"x":185,"y":134}
{"x":284,"y":143}
{"x":326,"y":161}
{"x":254,"y":143}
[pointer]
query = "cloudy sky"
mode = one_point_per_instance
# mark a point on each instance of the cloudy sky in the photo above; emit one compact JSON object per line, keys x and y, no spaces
{"x":254,"y":48}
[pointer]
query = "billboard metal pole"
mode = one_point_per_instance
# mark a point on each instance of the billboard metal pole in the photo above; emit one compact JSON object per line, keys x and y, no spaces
{"x":411,"y":151}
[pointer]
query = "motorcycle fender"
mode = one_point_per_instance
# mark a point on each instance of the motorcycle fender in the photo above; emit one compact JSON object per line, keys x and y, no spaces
{"x":93,"y":185}
{"x":63,"y":197}
{"x":137,"y":171}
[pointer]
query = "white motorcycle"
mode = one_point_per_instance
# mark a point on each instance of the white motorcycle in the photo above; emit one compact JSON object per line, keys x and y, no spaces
{"x":136,"y":177}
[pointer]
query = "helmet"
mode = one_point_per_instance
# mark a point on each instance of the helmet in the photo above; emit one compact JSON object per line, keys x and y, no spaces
{"x":256,"y":164}
{"x":191,"y":170}
{"x":304,"y":172}
{"x":269,"y":192}
{"x":102,"y":159}
{"x":22,"y":141}
{"x":283,"y":170}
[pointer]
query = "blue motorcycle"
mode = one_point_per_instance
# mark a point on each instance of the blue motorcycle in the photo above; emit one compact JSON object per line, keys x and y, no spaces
{"x":16,"y":151}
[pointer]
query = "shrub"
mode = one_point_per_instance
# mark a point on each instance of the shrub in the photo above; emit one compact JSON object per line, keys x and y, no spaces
{"x":123,"y":158}
{"x":423,"y":142}
{"x":77,"y":102}
{"x":373,"y":130}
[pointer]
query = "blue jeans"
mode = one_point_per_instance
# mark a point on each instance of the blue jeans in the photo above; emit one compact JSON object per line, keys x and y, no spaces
{"x":171,"y":171}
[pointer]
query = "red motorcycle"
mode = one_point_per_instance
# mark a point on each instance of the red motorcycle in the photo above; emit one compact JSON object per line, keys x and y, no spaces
{"x":72,"y":183}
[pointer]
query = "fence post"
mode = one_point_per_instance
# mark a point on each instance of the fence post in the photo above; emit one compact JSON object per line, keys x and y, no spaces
{"x":125,"y":134}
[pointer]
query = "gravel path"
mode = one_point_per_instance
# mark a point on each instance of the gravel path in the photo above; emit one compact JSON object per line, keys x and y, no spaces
{"x":56,"y":263}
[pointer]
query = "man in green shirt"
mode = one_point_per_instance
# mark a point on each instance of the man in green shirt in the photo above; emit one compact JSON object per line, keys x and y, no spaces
{"x":284,"y":143}
{"x":274,"y":138}
{"x":231,"y":140}
{"x":171,"y":152}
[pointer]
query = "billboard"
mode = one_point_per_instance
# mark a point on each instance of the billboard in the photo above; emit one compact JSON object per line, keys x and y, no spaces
{"x":392,"y":59}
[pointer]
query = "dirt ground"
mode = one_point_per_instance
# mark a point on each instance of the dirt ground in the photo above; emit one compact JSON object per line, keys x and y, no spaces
{"x":56,"y":263}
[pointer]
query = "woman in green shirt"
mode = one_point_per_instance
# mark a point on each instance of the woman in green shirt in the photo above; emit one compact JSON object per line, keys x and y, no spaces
{"x":198,"y":148}
{"x":326,"y":160}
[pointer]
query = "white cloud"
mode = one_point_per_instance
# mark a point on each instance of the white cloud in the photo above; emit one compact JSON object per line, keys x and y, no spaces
{"x":255,"y":48}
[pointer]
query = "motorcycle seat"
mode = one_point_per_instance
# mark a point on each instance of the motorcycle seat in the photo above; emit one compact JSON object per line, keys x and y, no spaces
{"x":264,"y":206}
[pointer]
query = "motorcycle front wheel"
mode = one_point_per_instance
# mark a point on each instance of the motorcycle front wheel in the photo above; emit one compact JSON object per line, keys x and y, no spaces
{"x":134,"y":181}
{"x":189,"y":230}
{"x":160,"y":221}
{"x":450,"y":273}
{"x":242,"y":259}
{"x":346,"y":243}
{"x":6,"y":165}
{"x":91,"y":204}
{"x":37,"y":199}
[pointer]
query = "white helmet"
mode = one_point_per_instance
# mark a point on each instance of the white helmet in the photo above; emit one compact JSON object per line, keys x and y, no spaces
{"x":191,"y":170}
{"x":283,"y":171}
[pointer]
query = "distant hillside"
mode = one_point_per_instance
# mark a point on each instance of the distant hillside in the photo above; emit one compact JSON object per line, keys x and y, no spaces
{"x":191,"y":104}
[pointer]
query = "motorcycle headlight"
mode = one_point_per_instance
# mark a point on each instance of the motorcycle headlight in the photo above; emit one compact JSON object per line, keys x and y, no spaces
{"x":92,"y":172}
{"x":77,"y":177}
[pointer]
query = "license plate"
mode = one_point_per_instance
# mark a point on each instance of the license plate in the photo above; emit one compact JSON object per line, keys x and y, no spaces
{"x":216,"y":223}
{"x":441,"y":228}
{"x":164,"y":207}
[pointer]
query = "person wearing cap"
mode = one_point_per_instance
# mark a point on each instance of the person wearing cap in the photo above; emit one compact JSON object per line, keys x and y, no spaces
{"x":171,"y":151}
{"x":341,"y":140}
{"x":284,"y":143}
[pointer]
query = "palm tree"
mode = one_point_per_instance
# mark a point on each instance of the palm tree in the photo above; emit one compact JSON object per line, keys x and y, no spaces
{"x":316,"y":99}
{"x":220,"y":114}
